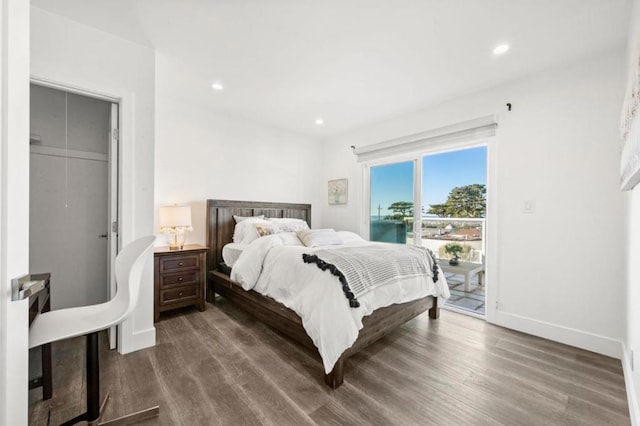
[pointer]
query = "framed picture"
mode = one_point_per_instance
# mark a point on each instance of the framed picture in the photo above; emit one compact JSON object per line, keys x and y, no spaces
{"x":630,"y":128}
{"x":338,"y":191}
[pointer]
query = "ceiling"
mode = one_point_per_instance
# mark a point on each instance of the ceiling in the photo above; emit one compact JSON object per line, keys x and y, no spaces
{"x":352,"y":62}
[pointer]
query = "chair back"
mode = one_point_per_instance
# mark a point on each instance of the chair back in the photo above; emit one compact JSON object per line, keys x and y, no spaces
{"x":129,"y":266}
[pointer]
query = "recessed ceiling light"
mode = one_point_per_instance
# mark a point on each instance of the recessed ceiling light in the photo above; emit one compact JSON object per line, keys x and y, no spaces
{"x":319,"y":121}
{"x":500,"y":50}
{"x":217,"y":86}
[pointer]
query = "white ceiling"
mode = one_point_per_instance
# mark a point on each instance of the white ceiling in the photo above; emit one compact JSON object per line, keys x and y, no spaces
{"x":352,"y":62}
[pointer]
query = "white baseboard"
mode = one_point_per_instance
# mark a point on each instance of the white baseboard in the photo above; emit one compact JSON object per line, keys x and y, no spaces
{"x":632,"y":398}
{"x":139,"y":340}
{"x":569,"y":336}
{"x":144,"y":339}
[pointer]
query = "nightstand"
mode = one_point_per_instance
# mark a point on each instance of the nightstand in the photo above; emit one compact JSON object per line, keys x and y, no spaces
{"x":179,"y":278}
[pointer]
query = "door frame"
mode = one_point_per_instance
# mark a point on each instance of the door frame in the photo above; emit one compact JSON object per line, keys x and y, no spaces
{"x":114,"y":179}
{"x":113,"y":222}
{"x":491,"y":234}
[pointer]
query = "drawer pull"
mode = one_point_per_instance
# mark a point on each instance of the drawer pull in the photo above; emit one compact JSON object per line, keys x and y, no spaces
{"x":180,"y":294}
{"x":180,"y":279}
{"x":180,"y":264}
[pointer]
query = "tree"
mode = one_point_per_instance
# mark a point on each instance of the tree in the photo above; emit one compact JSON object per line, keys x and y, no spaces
{"x":463,"y":201}
{"x":401,"y":210}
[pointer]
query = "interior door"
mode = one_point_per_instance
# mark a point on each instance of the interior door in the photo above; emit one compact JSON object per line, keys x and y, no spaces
{"x":69,"y":195}
{"x":14,"y":214}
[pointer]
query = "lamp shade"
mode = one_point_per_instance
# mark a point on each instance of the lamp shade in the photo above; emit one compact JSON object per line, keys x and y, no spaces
{"x":172,"y":216}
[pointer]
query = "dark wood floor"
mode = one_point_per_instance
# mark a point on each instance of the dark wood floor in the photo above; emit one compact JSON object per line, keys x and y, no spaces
{"x":222,"y":367}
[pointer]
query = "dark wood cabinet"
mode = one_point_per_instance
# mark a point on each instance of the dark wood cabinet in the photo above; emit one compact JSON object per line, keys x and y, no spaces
{"x":179,"y":278}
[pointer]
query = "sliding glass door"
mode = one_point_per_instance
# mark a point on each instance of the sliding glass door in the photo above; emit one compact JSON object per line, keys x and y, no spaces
{"x":454,"y":200}
{"x":392,"y":202}
{"x":437,"y":200}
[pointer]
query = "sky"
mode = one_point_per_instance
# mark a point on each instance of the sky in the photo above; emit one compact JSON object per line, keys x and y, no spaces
{"x":440,"y":174}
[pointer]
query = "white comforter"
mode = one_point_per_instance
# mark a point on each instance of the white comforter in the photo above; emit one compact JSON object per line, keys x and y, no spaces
{"x":273,"y":266}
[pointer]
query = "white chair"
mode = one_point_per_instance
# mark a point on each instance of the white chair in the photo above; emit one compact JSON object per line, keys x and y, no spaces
{"x":89,"y":320}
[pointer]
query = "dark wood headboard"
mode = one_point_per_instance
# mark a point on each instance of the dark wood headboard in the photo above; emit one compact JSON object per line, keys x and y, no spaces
{"x":220,"y":223}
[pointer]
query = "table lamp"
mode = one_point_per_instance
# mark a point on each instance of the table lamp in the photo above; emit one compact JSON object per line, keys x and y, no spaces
{"x":175,"y":222}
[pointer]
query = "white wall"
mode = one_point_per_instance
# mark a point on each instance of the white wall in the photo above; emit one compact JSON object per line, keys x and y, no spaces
{"x":632,"y":337}
{"x":78,"y":56}
{"x":14,"y":207}
{"x":202,"y":154}
{"x":559,"y":147}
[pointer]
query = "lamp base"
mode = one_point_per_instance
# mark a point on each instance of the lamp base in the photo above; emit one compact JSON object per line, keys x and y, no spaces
{"x":176,"y":237}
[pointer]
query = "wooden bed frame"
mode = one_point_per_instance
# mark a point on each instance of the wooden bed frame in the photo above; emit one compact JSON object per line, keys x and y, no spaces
{"x":220,"y":225}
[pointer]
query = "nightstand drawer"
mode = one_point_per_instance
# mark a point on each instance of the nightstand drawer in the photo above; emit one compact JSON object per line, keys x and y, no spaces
{"x":179,"y":294}
{"x":179,"y":263}
{"x":180,"y":278}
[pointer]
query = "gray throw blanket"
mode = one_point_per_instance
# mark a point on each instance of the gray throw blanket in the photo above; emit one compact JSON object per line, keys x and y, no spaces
{"x":361,"y":269}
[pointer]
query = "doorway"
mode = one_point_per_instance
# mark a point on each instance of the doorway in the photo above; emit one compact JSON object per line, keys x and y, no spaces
{"x":73,"y":194}
{"x":454,"y":188}
{"x":437,"y":200}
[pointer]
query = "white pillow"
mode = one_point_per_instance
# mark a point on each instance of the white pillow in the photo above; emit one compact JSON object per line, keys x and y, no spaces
{"x":319,"y":237}
{"x":245,"y":230}
{"x":349,"y":237}
{"x":290,"y":225}
{"x":264,"y":229}
{"x":252,"y":228}
{"x":239,"y":219}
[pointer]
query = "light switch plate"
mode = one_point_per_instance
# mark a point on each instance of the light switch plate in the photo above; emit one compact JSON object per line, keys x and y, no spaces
{"x":529,"y":206}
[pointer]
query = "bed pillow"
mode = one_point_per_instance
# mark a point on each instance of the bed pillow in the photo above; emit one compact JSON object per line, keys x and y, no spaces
{"x":350,"y":237}
{"x":264,"y":229}
{"x":245,"y":231}
{"x":252,"y":228}
{"x":239,"y":219}
{"x":289,"y":224}
{"x":319,"y":237}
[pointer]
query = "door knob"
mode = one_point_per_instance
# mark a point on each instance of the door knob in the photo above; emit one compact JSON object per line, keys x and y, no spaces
{"x":103,"y":236}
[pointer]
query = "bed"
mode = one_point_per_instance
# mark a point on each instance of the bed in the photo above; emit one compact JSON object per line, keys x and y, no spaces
{"x":220,"y":228}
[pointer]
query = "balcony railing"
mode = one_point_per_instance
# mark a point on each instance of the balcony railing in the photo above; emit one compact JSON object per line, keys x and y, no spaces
{"x":436,"y":233}
{"x":468,"y":232}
